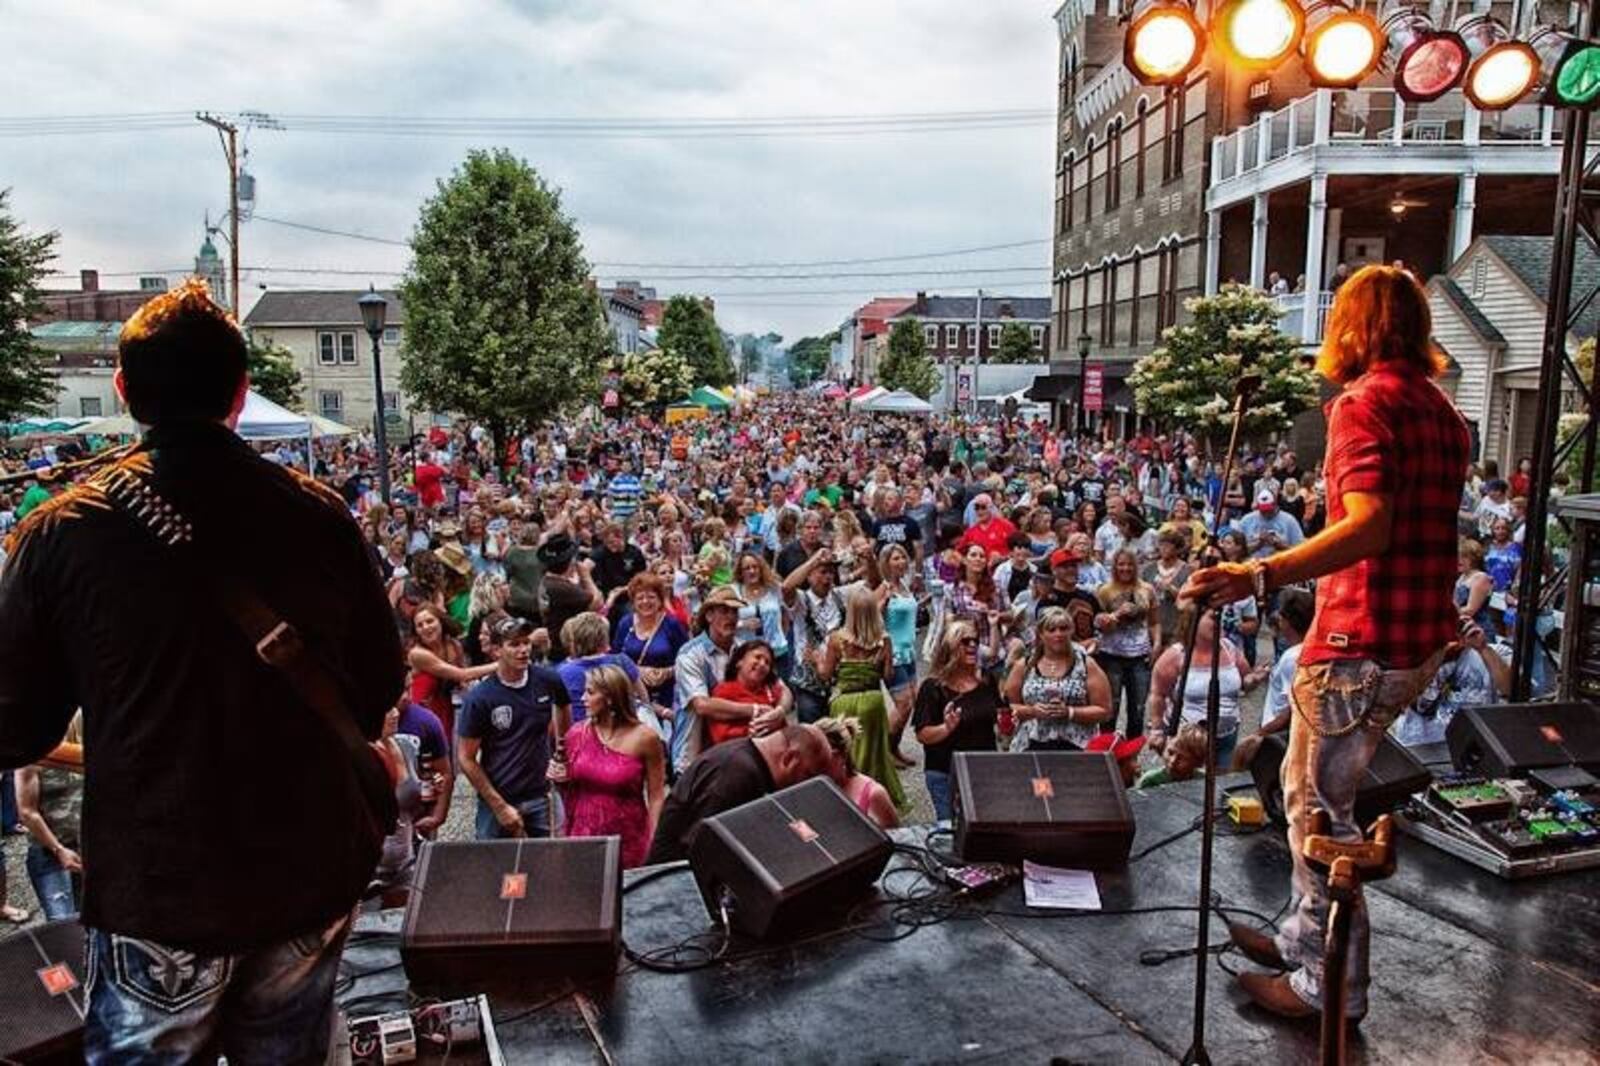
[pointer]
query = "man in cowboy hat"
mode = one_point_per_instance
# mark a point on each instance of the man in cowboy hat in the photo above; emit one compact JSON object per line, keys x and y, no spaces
{"x":700,"y":666}
{"x":569,"y":587}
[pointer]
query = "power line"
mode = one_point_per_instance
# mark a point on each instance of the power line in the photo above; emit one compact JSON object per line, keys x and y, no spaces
{"x":961,"y":272}
{"x":613,"y":264}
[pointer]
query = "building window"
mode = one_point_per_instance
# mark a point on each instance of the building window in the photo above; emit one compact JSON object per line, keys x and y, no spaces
{"x":930,"y":336}
{"x":1071,"y":165}
{"x":327,"y":349}
{"x":1166,"y":139}
{"x":89,"y":406}
{"x":1480,"y":275}
{"x":1143,"y":122}
{"x":1088,"y":180}
{"x":347,"y":349}
{"x":1108,"y":305}
{"x":1037,"y":332}
{"x":994,"y":338}
{"x":972,"y":337}
{"x":1083,"y":308}
{"x":391,"y":403}
{"x":1175,"y":142}
{"x":1113,"y":163}
{"x":391,"y":335}
{"x":952,"y":337}
{"x":330,"y":402}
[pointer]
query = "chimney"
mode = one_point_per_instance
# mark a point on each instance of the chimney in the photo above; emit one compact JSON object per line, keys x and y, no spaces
{"x":922,"y":301}
{"x":89,"y":280}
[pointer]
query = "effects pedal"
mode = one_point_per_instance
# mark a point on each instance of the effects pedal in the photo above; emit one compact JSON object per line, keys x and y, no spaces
{"x":383,"y":1040}
{"x":1474,"y":800}
{"x":1246,"y":811}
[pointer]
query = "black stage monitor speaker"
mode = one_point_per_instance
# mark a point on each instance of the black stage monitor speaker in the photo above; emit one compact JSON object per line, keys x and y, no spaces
{"x":1054,"y":807}
{"x":1392,"y":776}
{"x":41,"y":970}
{"x":785,"y":862}
{"x":1508,"y":739}
{"x":492,"y":911}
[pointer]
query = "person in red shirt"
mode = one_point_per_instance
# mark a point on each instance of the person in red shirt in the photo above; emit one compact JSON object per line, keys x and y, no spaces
{"x":429,"y":477}
{"x":990,"y":529}
{"x":1396,"y":460}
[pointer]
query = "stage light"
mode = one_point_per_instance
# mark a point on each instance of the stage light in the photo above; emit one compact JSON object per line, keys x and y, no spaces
{"x":1258,"y":34}
{"x":1427,"y":62}
{"x":1569,"y":68}
{"x":1164,"y":42}
{"x":1502,"y":70}
{"x":1341,"y":46}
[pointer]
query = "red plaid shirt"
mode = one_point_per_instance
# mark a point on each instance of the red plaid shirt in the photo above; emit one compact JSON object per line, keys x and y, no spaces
{"x":1393,"y":432}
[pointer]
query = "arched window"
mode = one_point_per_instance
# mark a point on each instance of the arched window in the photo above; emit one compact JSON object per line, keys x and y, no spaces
{"x":1070,"y":165}
{"x":1108,"y":303}
{"x":1143,"y":122}
{"x":1133,"y":304}
{"x":1113,"y":162}
{"x":1088,"y":179}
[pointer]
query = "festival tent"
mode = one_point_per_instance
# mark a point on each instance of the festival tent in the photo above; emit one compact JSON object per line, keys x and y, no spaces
{"x":111,"y":426}
{"x":262,"y":419}
{"x":706,"y":396}
{"x":860,"y":399}
{"x":833,"y":392}
{"x":862,"y":390}
{"x":327,"y":427}
{"x":897,"y":402}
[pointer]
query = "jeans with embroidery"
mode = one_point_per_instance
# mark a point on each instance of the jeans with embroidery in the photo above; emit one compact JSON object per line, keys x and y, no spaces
{"x":150,"y":1004}
{"x":1341,"y":711}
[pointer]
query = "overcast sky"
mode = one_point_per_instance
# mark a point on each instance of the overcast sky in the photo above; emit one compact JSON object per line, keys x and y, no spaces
{"x":135,"y":201}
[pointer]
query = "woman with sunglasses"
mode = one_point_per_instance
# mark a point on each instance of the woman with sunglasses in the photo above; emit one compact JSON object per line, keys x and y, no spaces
{"x":1058,"y":694}
{"x":958,"y":709}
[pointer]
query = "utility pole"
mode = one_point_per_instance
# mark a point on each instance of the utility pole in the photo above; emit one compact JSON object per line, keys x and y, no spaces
{"x":228,"y":134}
{"x":977,"y":349}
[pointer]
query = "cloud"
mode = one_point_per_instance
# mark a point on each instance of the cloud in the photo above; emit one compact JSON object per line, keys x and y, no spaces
{"x":132,"y":201}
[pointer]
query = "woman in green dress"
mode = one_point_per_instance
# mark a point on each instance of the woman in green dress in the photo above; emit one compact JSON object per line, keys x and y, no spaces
{"x":859,"y":659}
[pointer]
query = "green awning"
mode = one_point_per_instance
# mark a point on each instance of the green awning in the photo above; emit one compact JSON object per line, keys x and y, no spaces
{"x":705,"y":396}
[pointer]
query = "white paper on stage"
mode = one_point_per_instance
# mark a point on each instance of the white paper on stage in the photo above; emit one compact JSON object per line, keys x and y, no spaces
{"x":1052,"y":886}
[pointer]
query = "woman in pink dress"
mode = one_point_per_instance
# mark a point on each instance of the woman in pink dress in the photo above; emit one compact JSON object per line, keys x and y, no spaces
{"x":870,"y":797}
{"x":613,"y":768}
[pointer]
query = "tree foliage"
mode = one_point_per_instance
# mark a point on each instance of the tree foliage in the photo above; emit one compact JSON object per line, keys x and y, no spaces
{"x":906,"y":365}
{"x":1016,"y":345}
{"x":1189,"y":380}
{"x":808,"y":358}
{"x":26,"y":385}
{"x":653,"y":378}
{"x":273,"y":373}
{"x":501,"y":323}
{"x":689,"y":328}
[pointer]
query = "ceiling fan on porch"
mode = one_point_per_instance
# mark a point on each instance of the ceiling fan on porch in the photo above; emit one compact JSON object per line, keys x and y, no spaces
{"x":1400,"y":203}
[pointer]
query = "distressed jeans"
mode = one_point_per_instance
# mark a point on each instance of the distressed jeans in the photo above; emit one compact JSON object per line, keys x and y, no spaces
{"x":150,"y":1005}
{"x":1342,"y":709}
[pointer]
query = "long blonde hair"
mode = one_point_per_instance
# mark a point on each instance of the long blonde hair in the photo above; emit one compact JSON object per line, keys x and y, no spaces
{"x":863,"y":619}
{"x":947,"y":656}
{"x":841,"y":734}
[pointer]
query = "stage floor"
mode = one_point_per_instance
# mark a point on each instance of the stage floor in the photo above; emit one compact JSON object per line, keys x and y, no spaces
{"x":1467,"y":968}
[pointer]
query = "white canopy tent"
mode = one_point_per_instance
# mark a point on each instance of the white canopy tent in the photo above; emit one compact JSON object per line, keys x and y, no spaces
{"x":898,"y":402}
{"x":262,"y":419}
{"x":860,"y":402}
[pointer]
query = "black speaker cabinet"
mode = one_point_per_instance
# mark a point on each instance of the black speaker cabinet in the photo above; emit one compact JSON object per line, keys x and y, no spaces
{"x":491,"y":912}
{"x":46,"y":996}
{"x":1507,"y":739}
{"x":1054,"y":807}
{"x":1392,"y":776}
{"x":788,"y":861}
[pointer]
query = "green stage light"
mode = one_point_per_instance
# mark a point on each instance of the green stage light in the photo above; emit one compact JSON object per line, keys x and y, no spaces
{"x":1570,"y":69}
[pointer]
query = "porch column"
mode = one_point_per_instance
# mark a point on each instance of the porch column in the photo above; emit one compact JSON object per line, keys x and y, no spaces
{"x":1316,"y":224}
{"x":1258,"y":241}
{"x":1461,"y":219}
{"x":1213,"y":250}
{"x":1330,"y":258}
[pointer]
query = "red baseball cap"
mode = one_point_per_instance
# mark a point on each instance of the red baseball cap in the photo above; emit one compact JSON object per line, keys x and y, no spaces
{"x":1119,"y":746}
{"x":1062,"y":556}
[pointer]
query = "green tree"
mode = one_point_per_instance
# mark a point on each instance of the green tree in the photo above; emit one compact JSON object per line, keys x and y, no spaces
{"x":501,"y":322}
{"x":653,"y":378}
{"x":808,"y":358}
{"x":1188,"y":381}
{"x":26,"y":385}
{"x":689,"y":328}
{"x":1016,"y":345}
{"x":907,"y":366}
{"x":273,"y":373}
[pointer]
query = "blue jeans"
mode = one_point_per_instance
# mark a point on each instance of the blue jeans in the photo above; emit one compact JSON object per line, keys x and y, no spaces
{"x":1130,"y":675}
{"x":150,"y":1004}
{"x":56,"y":888}
{"x":938,"y":783}
{"x":9,"y":818}
{"x":808,"y":706}
{"x":535,"y":819}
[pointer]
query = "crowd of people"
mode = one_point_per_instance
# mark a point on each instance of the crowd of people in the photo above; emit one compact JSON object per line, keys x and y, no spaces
{"x":591,"y":610}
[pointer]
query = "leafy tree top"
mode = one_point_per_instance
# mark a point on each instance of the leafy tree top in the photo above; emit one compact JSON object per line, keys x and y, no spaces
{"x":26,"y":385}
{"x":1016,"y":345}
{"x":1188,"y":381}
{"x":652,"y":378}
{"x":906,"y":365}
{"x":689,"y":328}
{"x":273,"y":373}
{"x":502,"y":324}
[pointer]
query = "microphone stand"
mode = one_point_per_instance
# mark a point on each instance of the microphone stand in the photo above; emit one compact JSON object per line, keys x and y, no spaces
{"x":1197,"y":1055}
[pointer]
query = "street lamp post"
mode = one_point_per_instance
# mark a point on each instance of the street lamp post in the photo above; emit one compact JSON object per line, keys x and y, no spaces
{"x":374,"y":311}
{"x":1083,"y":374}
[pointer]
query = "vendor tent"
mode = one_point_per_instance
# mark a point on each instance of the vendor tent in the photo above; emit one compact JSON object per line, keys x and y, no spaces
{"x":327,"y":427}
{"x":262,"y":419}
{"x":833,"y":392}
{"x":111,"y":426}
{"x":859,"y":399}
{"x":896,"y":402}
{"x":706,"y":396}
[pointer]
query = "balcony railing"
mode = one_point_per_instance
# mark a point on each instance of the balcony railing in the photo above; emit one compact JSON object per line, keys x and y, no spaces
{"x":1294,"y":306}
{"x":1374,"y":117}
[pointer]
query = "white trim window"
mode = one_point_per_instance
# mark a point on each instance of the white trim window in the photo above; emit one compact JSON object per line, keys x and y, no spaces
{"x":328,"y":349}
{"x":391,"y":335}
{"x":994,"y":338}
{"x":330,"y":402}
{"x":347,"y":349}
{"x":1038,"y":336}
{"x":972,"y":337}
{"x":952,"y":336}
{"x":930,"y":336}
{"x":89,"y":406}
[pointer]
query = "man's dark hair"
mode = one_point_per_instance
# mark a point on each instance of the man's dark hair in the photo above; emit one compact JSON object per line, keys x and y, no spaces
{"x":1297,"y":606}
{"x":182,"y":357}
{"x":1019,"y":539}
